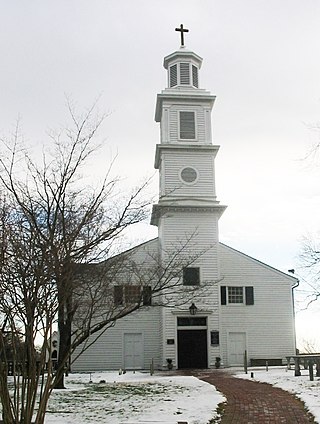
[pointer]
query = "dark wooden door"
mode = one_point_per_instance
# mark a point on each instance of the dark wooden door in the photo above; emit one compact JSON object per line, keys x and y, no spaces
{"x":192,"y":349}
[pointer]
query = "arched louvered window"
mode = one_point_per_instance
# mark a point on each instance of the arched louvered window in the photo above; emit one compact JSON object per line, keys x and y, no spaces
{"x":173,"y":75}
{"x":187,"y":125}
{"x":194,"y":76}
{"x":184,"y":73}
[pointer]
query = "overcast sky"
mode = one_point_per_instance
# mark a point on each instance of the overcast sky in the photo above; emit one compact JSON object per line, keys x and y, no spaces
{"x":261,"y":60}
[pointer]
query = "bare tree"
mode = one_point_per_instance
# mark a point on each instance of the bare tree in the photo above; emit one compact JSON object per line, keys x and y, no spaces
{"x":57,"y":236}
{"x":310,"y":272}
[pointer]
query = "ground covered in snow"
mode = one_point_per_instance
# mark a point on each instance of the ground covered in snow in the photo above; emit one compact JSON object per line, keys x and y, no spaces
{"x":308,"y":391}
{"x":132,"y":398}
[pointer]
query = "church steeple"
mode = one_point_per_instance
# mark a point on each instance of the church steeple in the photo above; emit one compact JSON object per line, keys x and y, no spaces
{"x":183,"y":109}
{"x":185,"y":155}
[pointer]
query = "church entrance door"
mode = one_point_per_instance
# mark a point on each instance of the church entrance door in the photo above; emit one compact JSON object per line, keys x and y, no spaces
{"x":192,"y":349}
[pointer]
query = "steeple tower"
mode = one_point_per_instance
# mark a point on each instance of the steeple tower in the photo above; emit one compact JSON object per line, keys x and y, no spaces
{"x":188,"y":208}
{"x":185,"y":155}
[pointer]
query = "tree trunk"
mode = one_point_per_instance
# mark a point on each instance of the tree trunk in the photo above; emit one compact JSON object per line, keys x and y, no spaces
{"x":64,"y":329}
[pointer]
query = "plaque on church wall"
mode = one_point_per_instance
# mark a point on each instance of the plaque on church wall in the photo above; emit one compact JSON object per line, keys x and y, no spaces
{"x":170,"y":341}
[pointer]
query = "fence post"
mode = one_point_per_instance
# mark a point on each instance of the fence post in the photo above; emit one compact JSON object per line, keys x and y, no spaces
{"x":310,"y":364}
{"x":245,"y":358}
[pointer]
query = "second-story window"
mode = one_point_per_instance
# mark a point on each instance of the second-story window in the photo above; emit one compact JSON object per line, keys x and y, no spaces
{"x":191,"y":276}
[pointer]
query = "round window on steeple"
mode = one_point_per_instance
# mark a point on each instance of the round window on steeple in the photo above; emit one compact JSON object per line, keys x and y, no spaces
{"x":188,"y":175}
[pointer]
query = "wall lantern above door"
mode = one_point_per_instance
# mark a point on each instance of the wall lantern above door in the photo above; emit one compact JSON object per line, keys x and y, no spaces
{"x":193,"y":309}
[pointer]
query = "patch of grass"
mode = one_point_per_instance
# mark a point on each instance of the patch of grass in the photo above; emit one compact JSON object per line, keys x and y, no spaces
{"x":220,"y":411}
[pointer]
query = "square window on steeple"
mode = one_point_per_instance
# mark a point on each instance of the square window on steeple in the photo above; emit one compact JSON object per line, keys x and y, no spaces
{"x":187,"y":125}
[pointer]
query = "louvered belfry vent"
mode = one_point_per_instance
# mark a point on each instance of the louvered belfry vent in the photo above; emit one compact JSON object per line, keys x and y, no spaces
{"x":184,"y":74}
{"x":173,"y":75}
{"x":194,"y":76}
{"x":187,"y":125}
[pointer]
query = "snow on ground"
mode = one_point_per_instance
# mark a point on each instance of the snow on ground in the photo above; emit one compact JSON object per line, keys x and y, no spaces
{"x":133,"y":398}
{"x":308,"y":391}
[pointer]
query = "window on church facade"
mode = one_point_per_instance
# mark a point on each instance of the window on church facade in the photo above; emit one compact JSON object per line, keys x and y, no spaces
{"x":187,"y":130}
{"x":237,"y":295}
{"x":130,"y":294}
{"x":191,"y":276}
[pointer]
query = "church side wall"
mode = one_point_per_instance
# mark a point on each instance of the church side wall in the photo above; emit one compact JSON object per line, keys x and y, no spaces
{"x":268,"y":323}
{"x":107,"y":353}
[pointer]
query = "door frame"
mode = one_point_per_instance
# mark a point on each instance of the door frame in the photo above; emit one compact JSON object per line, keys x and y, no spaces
{"x":193,"y":327}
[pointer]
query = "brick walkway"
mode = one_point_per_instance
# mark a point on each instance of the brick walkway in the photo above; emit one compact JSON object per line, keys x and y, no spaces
{"x":249,"y":402}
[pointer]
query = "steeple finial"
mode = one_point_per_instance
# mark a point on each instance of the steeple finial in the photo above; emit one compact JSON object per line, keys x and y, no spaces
{"x":182,"y":31}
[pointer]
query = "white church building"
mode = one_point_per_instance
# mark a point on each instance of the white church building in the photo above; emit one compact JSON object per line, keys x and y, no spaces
{"x":246,"y":306}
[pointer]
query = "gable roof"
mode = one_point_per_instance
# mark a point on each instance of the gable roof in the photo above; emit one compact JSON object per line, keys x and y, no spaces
{"x":294,"y":280}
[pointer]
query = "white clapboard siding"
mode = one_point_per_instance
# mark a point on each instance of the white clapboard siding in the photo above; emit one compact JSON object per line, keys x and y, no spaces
{"x":202,"y":229}
{"x":175,"y":161}
{"x":268,"y":323}
{"x":107,"y":353}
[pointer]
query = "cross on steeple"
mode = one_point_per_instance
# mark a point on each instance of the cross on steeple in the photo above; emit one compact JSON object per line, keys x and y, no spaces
{"x":182,"y":30}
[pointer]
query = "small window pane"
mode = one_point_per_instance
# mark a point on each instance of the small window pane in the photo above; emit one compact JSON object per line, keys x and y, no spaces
{"x":191,"y":276}
{"x":192,"y":321}
{"x":187,"y":126}
{"x":132,"y":294}
{"x":235,"y":294}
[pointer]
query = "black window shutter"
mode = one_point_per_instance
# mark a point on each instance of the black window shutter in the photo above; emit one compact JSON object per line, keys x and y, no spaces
{"x":223,"y":295}
{"x":118,"y":295}
{"x":146,"y":295}
{"x":249,"y":296}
